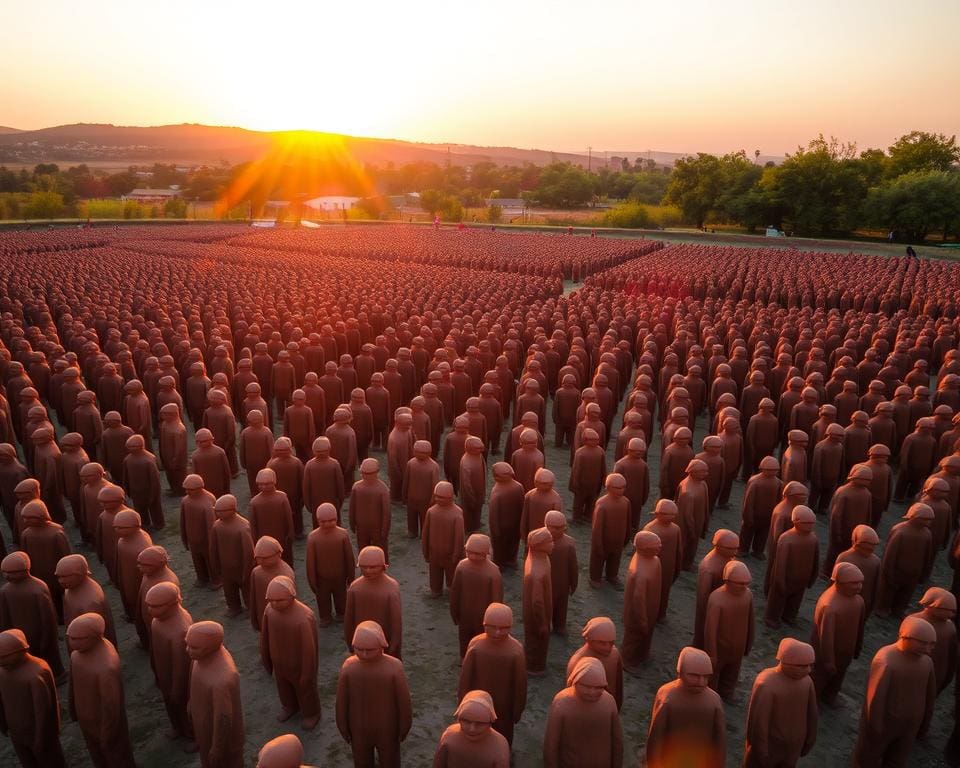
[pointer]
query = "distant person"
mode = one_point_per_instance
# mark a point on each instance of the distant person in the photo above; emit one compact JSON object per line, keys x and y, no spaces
{"x":911,"y":254}
{"x":890,"y":236}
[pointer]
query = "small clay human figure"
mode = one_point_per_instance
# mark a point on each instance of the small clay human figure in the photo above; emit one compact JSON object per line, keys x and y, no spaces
{"x":323,"y":479}
{"x":196,"y":522}
{"x":732,"y":451}
{"x":564,"y":568}
{"x":794,"y":493}
{"x":195,"y":390}
{"x":861,"y":554}
{"x":268,"y":556}
{"x":231,"y":553}
{"x":673,"y":465}
{"x":270,"y":514}
{"x":330,"y":564}
{"x":940,"y":610}
{"x":48,"y":470}
{"x":918,"y":454}
{"x":760,"y":437}
{"x":583,"y":724}
{"x":837,"y":635}
{"x":528,"y":459}
{"x":600,"y":635}
{"x":825,"y":468}
{"x":881,"y":486}
{"x":693,"y":499}
{"x":285,"y":751}
{"x":494,"y":662}
{"x":12,"y":473}
{"x":29,"y":705}
{"x":373,"y":706}
{"x":728,"y":627}
{"x":687,"y":725}
{"x":399,"y":451}
{"x":641,"y":600}
{"x":793,"y":462}
{"x":370,"y":508}
{"x":141,"y":480}
{"x":420,"y":477}
{"x":96,"y":693}
{"x":215,"y":708}
{"x":25,"y":604}
{"x":210,"y":462}
{"x":443,"y":536}
{"x":671,"y":550}
{"x":72,"y":458}
{"x":586,"y":476}
{"x":374,"y":596}
{"x":152,"y":563}
{"x":253,"y":401}
{"x":173,"y":447}
{"x":710,"y":575}
{"x":907,"y":560}
{"x":935,"y":495}
{"x":795,"y":567}
{"x":256,"y":448}
{"x":288,"y":470}
{"x":633,"y":467}
{"x":759,"y":499}
{"x":472,"y":739}
{"x":361,"y":419}
{"x":539,"y":501}
{"x":289,"y":651}
{"x":81,"y":594}
{"x":88,"y":422}
{"x":298,"y":425}
{"x":343,"y":444}
{"x":113,"y":443}
{"x":136,"y":411}
{"x":851,"y":506}
{"x":131,"y":541}
{"x":472,"y":482}
{"x":712,"y":456}
{"x":169,"y":622}
{"x":898,"y":705}
{"x":44,"y":542}
{"x":504,"y":513}
{"x":476,"y":584}
{"x":537,"y":600}
{"x":782,"y":715}
{"x":610,"y":531}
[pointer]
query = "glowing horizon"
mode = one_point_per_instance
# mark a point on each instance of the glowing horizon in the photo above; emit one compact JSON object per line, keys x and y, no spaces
{"x":617,"y":76}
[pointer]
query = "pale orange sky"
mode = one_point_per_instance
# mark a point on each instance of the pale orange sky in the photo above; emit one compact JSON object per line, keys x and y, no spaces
{"x":681,"y":76}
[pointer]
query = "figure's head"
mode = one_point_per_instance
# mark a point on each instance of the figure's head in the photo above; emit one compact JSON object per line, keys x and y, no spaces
{"x":796,"y":658}
{"x":498,"y":621}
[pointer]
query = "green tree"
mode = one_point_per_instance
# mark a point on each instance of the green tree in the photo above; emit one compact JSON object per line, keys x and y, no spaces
{"x":563,"y":185}
{"x":820,"y":188}
{"x":44,"y":205}
{"x":708,"y":184}
{"x":922,"y":151}
{"x":917,"y":203}
{"x":494,"y":214}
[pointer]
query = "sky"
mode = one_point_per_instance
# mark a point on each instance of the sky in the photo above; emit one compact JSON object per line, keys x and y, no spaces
{"x":686,"y":75}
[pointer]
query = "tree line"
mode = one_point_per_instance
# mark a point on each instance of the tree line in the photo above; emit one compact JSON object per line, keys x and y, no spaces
{"x":829,"y":187}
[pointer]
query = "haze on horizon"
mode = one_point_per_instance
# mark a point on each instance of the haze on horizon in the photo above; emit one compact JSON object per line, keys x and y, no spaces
{"x":692,"y":75}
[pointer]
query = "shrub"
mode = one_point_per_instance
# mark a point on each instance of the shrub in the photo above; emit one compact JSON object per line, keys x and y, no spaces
{"x":628,"y":215}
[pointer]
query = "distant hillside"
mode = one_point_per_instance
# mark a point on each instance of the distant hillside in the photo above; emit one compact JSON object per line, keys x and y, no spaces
{"x":211,"y":145}
{"x":4,"y":129}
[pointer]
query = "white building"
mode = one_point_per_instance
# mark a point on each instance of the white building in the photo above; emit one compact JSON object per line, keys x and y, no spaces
{"x":331,"y":203}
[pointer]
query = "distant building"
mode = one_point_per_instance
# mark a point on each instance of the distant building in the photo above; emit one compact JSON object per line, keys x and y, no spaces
{"x":152,"y":195}
{"x":331,"y":203}
{"x":509,"y":206}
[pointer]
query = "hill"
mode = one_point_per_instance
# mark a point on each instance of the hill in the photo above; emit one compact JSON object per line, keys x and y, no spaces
{"x":216,"y":145}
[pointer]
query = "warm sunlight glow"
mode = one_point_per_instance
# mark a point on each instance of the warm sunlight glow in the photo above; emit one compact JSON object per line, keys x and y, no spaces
{"x":563,"y":75}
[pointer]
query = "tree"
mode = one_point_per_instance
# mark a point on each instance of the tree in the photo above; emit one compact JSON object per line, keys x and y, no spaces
{"x":709,"y":184}
{"x":820,"y":188}
{"x":917,"y":203}
{"x":922,"y":151}
{"x":563,"y":185}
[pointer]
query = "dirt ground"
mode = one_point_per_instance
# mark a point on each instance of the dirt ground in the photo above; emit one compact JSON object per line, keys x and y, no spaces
{"x":431,"y":658}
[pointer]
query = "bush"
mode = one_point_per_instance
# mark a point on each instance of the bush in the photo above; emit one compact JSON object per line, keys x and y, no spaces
{"x":175,"y":209}
{"x":133,"y":210}
{"x":44,"y":205}
{"x":628,"y":216}
{"x":494,"y":214}
{"x":101,"y":209}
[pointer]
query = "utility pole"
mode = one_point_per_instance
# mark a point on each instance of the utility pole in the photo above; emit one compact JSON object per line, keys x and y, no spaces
{"x":589,"y":158}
